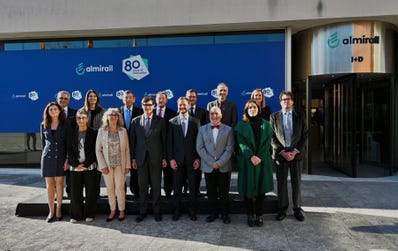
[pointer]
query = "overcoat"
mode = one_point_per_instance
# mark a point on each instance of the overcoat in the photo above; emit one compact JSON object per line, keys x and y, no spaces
{"x":254,"y":180}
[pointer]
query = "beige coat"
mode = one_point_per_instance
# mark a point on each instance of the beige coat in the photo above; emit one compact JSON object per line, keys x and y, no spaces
{"x":101,"y":148}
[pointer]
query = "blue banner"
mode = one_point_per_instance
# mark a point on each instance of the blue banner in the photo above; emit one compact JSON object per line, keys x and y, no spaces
{"x":31,"y":79}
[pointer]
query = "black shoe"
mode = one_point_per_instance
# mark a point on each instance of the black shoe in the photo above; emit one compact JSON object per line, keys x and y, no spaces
{"x":226,"y":219}
{"x":299,"y":214}
{"x":109,"y":219}
{"x":281,"y":216}
{"x":193,"y":216}
{"x":121,"y":218}
{"x":250,"y":220}
{"x":140,"y":218}
{"x":211,"y":217}
{"x":50,"y":219}
{"x":176,"y":216}
{"x":158,"y":217}
{"x":259,"y":221}
{"x":58,"y":218}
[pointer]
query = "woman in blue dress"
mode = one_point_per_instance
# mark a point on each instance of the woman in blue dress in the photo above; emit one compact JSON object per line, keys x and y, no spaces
{"x":53,"y":131}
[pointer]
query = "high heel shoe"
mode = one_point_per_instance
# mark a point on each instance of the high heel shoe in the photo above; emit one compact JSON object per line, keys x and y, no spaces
{"x":109,"y":219}
{"x":50,"y":219}
{"x":58,"y":218}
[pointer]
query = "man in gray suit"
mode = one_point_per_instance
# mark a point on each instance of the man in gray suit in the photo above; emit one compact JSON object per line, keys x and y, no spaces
{"x":228,"y":109}
{"x":215,"y":144}
{"x":288,"y":141}
{"x":148,"y":154}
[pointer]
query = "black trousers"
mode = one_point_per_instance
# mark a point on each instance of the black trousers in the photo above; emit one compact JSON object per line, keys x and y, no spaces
{"x":282,"y":170}
{"x":149,"y":175}
{"x":179,"y":178}
{"x":217,"y":185}
{"x":78,"y":181}
{"x":134,"y":188}
{"x":167,"y":180}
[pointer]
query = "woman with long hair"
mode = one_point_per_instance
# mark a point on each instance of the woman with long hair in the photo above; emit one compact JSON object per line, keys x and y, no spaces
{"x":92,"y":106}
{"x":255,"y":178}
{"x":113,"y":155}
{"x":53,"y":131}
{"x":258,"y":96}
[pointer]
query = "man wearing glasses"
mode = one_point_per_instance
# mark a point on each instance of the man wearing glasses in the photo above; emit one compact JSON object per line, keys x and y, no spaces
{"x":63,"y":99}
{"x":288,"y":140}
{"x":148,"y":154}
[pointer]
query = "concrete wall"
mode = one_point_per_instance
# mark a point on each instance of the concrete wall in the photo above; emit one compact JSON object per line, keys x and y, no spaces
{"x":26,"y":19}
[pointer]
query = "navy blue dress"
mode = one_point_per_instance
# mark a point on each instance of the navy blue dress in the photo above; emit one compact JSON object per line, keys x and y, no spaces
{"x":54,"y":151}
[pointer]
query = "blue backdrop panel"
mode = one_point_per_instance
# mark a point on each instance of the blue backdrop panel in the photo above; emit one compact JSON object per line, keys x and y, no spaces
{"x":31,"y":79}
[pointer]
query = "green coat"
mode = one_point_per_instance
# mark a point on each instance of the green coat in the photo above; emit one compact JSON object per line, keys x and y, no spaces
{"x":254,"y":180}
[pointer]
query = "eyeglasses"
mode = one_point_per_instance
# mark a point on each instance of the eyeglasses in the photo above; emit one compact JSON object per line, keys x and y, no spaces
{"x":147,"y":104}
{"x":62,"y":98}
{"x":286,"y":99}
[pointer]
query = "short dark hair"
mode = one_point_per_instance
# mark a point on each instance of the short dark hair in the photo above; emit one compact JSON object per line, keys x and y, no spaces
{"x":287,"y":93}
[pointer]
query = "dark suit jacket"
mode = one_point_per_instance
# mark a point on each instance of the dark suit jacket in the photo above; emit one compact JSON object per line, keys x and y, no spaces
{"x":136,"y":112}
{"x":89,"y":147}
{"x":154,"y":145}
{"x":182,"y":148}
{"x":266,"y":112}
{"x":72,"y":117}
{"x":168,"y":113}
{"x":229,"y":112}
{"x":202,"y":115}
{"x":299,"y":136}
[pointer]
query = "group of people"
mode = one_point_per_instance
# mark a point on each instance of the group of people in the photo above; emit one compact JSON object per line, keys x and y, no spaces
{"x":92,"y":142}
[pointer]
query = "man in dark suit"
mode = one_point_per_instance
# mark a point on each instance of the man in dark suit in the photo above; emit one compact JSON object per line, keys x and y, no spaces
{"x":129,"y":111}
{"x":215,"y":145}
{"x":288,"y":141}
{"x":165,"y":113}
{"x":228,"y":109}
{"x":148,"y":154}
{"x":181,"y":152}
{"x":195,"y":110}
{"x":63,"y":99}
{"x":203,"y":116}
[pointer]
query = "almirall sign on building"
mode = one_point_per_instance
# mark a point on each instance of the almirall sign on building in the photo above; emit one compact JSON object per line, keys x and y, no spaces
{"x":334,"y":41}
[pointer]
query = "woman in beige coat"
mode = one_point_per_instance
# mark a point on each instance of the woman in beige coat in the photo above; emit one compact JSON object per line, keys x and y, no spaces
{"x":113,"y":156}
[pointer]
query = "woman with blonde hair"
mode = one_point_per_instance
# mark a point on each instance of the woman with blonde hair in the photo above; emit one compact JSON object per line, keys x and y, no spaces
{"x":258,"y":96}
{"x":113,"y":156}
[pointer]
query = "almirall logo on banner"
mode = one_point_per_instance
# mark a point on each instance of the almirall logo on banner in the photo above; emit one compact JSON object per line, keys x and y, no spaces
{"x":135,"y":67}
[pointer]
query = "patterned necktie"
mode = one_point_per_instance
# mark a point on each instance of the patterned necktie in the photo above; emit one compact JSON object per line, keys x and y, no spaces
{"x":160,"y":112}
{"x":147,"y":126}
{"x":183,"y":123}
{"x":128,"y":118}
{"x":288,"y":130}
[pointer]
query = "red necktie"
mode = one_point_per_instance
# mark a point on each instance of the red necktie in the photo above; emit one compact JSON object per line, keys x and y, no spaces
{"x":160,"y":112}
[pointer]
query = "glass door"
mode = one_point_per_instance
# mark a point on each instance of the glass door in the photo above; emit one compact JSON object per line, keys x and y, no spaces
{"x":340,"y":124}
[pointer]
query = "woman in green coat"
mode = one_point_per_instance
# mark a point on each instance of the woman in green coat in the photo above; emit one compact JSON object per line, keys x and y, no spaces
{"x":254,"y":161}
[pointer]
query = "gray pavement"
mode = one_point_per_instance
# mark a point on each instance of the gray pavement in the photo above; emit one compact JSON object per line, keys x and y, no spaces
{"x":341,"y":214}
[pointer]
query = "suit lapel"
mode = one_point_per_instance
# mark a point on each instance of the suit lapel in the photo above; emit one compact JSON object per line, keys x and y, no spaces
{"x":280,"y":127}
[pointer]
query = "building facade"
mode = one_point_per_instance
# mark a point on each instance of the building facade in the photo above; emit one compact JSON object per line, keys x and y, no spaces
{"x":338,"y":57}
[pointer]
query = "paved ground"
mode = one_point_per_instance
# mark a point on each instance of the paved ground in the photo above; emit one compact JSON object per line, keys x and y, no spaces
{"x":341,"y":214}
